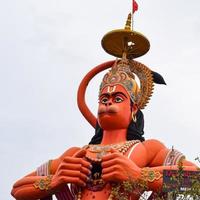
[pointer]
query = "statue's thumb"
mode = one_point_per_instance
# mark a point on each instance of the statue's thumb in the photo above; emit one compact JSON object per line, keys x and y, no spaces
{"x":80,"y":154}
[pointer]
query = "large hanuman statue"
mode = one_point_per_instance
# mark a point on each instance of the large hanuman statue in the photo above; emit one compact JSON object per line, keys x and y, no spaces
{"x":118,"y":159}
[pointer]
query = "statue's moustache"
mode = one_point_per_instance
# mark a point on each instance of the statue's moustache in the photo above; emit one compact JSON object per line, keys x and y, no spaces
{"x":107,"y":109}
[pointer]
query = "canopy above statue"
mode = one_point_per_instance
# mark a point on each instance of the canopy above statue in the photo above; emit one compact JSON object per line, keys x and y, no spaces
{"x":118,"y":41}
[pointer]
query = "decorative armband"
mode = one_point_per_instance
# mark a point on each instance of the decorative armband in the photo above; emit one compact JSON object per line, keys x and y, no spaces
{"x":43,"y":183}
{"x":173,"y":157}
{"x":147,"y":174}
{"x":44,"y":169}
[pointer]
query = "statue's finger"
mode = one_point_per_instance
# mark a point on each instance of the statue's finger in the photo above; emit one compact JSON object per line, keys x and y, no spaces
{"x":73,"y":173}
{"x":109,"y":163}
{"x":110,"y":169}
{"x":74,"y":180}
{"x":111,"y":156}
{"x":72,"y":160}
{"x":72,"y":166}
{"x":110,"y":177}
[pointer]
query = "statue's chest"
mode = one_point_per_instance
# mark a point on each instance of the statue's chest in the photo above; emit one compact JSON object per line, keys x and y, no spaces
{"x":94,"y":154}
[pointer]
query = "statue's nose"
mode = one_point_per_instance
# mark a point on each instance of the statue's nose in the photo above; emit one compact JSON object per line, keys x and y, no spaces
{"x":109,"y":102}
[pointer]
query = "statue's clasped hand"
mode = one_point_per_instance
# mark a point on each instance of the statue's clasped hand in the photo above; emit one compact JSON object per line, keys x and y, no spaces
{"x":117,"y":167}
{"x":72,"y":170}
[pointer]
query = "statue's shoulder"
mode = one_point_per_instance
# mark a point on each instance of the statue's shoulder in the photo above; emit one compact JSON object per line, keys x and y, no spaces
{"x":153,"y":142}
{"x":70,"y":152}
{"x":156,"y":151}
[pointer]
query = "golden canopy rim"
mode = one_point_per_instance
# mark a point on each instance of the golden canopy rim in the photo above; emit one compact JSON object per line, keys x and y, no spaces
{"x":120,"y":41}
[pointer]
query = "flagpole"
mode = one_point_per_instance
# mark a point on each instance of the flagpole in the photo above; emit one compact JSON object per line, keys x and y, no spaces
{"x":132,"y":13}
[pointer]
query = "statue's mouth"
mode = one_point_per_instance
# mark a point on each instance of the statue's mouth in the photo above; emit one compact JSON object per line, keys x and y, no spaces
{"x":106,"y":112}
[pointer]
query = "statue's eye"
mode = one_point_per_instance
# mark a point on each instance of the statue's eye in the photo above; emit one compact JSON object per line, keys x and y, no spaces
{"x":118,"y":99}
{"x":104,"y":100}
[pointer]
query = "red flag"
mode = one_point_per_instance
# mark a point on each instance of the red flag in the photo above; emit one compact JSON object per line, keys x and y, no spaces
{"x":135,"y":6}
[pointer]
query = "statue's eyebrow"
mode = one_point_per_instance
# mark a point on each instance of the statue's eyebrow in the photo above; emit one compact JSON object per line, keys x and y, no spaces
{"x":114,"y":93}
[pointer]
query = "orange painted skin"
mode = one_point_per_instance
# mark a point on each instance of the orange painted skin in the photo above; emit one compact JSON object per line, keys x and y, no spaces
{"x":114,"y":116}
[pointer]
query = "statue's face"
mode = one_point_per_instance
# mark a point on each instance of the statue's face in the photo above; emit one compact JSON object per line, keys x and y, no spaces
{"x":114,"y":110}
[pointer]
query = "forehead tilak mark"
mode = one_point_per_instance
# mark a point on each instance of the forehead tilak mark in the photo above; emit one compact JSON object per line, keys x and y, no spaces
{"x":111,"y":89}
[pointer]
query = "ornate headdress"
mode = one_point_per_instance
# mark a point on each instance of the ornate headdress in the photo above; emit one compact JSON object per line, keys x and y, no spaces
{"x":127,"y":45}
{"x":123,"y":73}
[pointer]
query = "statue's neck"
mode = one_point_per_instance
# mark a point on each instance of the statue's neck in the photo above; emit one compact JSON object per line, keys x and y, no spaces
{"x":114,"y":136}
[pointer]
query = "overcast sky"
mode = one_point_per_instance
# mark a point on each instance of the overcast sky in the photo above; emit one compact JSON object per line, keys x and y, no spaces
{"x":46,"y":48}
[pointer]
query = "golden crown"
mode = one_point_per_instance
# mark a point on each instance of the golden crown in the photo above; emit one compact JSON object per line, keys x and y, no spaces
{"x":122,"y":73}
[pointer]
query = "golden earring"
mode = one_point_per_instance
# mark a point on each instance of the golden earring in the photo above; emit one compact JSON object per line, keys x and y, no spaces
{"x":134,"y":117}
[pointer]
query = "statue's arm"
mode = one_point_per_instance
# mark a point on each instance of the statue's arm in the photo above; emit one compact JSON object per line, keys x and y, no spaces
{"x":161,"y":158}
{"x":155,"y":184}
{"x":65,"y":169}
{"x":145,"y":163}
{"x":24,"y":188}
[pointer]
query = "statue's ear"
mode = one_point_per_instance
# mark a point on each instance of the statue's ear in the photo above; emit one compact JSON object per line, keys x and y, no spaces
{"x":134,"y":108}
